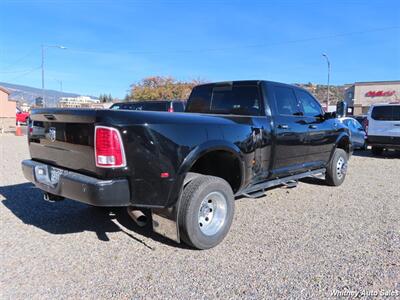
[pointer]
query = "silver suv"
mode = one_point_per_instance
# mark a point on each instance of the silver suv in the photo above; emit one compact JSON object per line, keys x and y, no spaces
{"x":383,"y":127}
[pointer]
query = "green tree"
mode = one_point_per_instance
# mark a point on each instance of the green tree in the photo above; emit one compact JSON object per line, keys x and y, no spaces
{"x":161,"y":88}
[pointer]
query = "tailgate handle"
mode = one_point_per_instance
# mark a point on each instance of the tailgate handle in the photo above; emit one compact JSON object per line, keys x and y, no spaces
{"x":50,"y":117}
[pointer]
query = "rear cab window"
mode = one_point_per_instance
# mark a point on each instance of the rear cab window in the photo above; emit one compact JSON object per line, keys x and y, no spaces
{"x":236,"y":99}
{"x":178,"y":107}
{"x":155,"y":106}
{"x":386,"y":113}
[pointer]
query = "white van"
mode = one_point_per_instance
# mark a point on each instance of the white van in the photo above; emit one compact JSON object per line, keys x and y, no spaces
{"x":383,"y":127}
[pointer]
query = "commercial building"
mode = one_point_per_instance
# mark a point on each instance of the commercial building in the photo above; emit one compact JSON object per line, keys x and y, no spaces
{"x":7,"y":110}
{"x":361,"y":95}
{"x":77,"y":102}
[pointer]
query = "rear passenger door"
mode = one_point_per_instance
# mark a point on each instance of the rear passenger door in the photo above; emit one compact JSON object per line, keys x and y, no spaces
{"x":320,"y":137}
{"x":290,"y":128}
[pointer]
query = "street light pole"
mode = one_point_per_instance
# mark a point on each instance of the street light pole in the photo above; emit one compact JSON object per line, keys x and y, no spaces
{"x":43,"y":54}
{"x":43,"y":75}
{"x":329,"y":75}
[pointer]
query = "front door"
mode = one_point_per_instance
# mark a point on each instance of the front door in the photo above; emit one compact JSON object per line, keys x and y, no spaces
{"x":321,"y":133}
{"x":290,"y":128}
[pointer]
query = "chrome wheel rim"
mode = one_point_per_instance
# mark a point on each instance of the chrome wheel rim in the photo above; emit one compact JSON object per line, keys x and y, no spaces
{"x":341,"y":167}
{"x":212,"y":213}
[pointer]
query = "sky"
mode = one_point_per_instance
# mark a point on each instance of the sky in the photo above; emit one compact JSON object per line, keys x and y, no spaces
{"x":112,"y":44}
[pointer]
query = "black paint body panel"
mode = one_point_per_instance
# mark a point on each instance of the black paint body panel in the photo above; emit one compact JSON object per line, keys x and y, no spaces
{"x":158,"y":142}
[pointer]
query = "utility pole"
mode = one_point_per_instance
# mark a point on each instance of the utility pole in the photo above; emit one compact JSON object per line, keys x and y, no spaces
{"x":43,"y":55}
{"x":329,"y":75}
{"x":60,"y":83}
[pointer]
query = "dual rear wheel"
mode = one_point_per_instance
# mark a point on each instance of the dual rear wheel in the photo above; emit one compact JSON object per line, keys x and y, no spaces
{"x":206,"y":211}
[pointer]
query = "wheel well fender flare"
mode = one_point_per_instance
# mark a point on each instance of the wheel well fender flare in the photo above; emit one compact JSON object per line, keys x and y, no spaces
{"x":198,"y":152}
{"x":343,"y":137}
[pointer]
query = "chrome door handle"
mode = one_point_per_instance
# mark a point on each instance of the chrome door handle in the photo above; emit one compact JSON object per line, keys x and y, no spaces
{"x":312,"y":127}
{"x":283,"y":126}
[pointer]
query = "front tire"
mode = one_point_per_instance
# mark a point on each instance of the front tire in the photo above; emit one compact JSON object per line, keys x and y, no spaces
{"x":206,"y":211}
{"x":337,"y":168}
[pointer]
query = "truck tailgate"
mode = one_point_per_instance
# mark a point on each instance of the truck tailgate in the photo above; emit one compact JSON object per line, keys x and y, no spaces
{"x":64,"y":138}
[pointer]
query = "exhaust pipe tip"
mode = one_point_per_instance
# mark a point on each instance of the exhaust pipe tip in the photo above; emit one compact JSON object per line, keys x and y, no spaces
{"x":51,"y":197}
{"x":137,"y":216}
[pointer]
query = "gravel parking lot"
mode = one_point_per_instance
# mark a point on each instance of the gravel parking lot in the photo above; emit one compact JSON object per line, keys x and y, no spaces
{"x":306,"y":242}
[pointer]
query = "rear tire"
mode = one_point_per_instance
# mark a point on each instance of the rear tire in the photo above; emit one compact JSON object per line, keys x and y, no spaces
{"x":206,"y":211}
{"x":337,"y":168}
{"x":377,"y":150}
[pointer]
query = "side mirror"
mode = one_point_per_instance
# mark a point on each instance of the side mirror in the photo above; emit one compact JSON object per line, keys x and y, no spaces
{"x":341,"y":109}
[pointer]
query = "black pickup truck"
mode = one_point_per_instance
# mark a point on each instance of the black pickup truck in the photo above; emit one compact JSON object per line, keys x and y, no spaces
{"x":234,"y":139}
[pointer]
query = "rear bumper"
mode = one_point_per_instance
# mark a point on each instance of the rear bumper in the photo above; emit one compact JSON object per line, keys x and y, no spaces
{"x":389,"y":142}
{"x":82,"y":188}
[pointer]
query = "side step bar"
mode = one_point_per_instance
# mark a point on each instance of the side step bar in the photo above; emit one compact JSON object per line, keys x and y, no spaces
{"x":258,"y":190}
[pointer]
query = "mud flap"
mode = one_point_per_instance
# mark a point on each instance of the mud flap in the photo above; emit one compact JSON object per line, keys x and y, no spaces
{"x":165,"y":220}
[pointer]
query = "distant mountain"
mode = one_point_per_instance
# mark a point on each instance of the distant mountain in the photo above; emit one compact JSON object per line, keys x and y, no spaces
{"x":23,"y":93}
{"x":336,"y":92}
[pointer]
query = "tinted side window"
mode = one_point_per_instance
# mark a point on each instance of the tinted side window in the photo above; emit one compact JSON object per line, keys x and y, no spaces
{"x":286,"y":101}
{"x":178,"y":107}
{"x":382,"y":113}
{"x":396,"y":113}
{"x":310,"y":106}
{"x":356,"y":124}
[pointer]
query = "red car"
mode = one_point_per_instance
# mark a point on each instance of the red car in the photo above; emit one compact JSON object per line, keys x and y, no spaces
{"x":21,"y":116}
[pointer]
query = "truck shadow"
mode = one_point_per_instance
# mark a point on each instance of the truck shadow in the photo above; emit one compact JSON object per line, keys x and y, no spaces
{"x":384,"y":155}
{"x":68,"y":216}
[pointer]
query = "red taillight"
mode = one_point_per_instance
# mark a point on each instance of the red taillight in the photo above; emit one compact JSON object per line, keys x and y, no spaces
{"x":366,"y":125}
{"x":109,"y":150}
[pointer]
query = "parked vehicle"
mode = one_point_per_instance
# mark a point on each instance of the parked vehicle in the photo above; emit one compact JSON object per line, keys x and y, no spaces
{"x":36,"y":129}
{"x":362,"y":119}
{"x":152,"y":105}
{"x":235,"y":139}
{"x":22,"y":117}
{"x":383,"y":127}
{"x":358,"y":135}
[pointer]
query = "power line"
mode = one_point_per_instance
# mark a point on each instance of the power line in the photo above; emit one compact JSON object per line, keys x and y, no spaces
{"x":16,"y":62}
{"x":26,"y":73}
{"x":15,"y":71}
